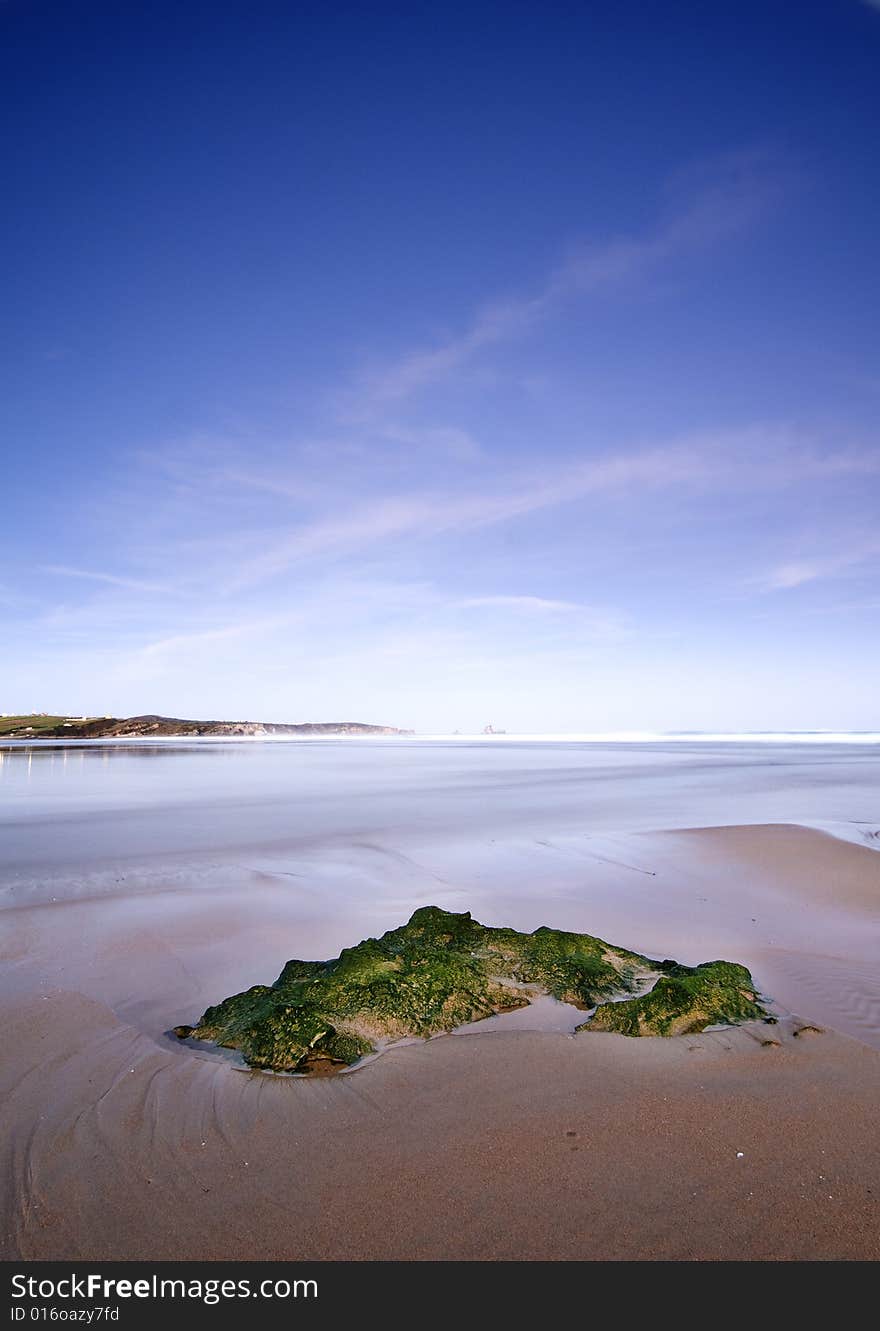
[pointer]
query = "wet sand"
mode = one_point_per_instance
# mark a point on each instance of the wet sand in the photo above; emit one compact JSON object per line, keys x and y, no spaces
{"x":123,"y":1144}
{"x":483,"y":1147}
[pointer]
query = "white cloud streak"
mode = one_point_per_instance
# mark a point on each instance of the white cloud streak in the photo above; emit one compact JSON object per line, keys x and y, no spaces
{"x":444,"y":439}
{"x":178,"y":642}
{"x":752,"y":458}
{"x":531,"y":604}
{"x":740,"y":189}
{"x":799,"y":572}
{"x":113,"y":579}
{"x":427,"y":515}
{"x":600,"y":624}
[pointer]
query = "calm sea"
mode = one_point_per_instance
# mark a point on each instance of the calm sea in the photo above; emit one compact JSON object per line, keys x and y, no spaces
{"x":74,"y":807}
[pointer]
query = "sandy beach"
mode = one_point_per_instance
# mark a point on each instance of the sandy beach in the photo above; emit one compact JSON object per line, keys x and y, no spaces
{"x":480,"y":1147}
{"x":758,"y":1142}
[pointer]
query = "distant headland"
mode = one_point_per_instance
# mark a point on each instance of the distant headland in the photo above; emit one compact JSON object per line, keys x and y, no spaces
{"x":42,"y":725}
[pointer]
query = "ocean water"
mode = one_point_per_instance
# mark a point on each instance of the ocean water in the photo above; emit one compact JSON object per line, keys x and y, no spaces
{"x":363,"y":829}
{"x":81,"y":804}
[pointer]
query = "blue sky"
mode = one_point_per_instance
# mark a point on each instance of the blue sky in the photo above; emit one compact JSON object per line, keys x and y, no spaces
{"x":438,"y":366}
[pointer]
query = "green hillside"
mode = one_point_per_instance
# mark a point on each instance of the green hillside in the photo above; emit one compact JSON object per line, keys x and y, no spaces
{"x":35,"y":723}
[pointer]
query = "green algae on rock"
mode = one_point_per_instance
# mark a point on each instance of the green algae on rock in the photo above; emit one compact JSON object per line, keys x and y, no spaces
{"x":685,"y":1000}
{"x":442,"y":970}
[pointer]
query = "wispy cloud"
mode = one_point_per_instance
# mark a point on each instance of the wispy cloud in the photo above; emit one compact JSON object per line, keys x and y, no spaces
{"x":429,"y":514}
{"x":725,"y":197}
{"x":184,"y":641}
{"x":443,"y":439}
{"x":798,"y":572}
{"x":113,"y":579}
{"x":530,"y":604}
{"x":795,"y":574}
{"x":198,"y":649}
{"x":599,"y":623}
{"x":759,"y":458}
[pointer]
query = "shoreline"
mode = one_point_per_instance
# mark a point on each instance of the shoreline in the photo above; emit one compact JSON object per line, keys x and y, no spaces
{"x":838,"y":737}
{"x":312,"y":732}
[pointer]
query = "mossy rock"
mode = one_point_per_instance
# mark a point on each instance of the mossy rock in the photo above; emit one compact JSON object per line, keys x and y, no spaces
{"x":442,"y":970}
{"x":685,"y":1000}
